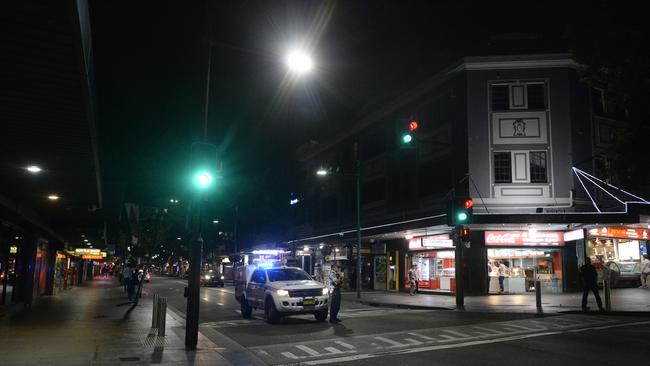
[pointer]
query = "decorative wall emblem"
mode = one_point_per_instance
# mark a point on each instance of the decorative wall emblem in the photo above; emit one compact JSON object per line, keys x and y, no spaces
{"x":519,"y":127}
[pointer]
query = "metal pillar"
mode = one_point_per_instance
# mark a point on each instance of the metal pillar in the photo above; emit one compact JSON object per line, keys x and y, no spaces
{"x":538,"y":295}
{"x":358,"y":176}
{"x":460,"y":294}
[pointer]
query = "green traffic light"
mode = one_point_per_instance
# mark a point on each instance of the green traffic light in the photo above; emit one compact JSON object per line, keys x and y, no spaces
{"x":407,"y":138}
{"x":462,"y":216}
{"x":203,"y":179}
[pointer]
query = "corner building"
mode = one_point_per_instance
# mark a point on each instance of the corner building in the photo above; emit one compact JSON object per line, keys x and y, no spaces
{"x":506,"y":130}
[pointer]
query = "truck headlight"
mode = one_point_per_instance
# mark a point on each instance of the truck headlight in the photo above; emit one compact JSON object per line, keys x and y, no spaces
{"x":325,"y":291}
{"x":282,"y":292}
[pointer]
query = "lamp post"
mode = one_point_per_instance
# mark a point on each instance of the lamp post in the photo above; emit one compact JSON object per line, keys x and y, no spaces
{"x":322,"y":172}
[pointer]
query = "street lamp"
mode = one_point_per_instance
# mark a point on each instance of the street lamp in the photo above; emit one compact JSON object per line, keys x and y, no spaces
{"x":299,"y":62}
{"x":357,"y":175}
{"x":34,"y":169}
{"x":53,"y":197}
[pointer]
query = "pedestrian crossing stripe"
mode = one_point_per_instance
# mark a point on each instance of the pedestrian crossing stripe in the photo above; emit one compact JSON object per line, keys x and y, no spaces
{"x":332,"y":348}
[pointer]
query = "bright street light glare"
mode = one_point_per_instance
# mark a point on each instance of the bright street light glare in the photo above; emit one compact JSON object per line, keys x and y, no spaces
{"x":299,"y":61}
{"x":321,"y":172}
{"x":202,"y":180}
{"x":215,"y":221}
{"x":34,"y":169}
{"x":52,"y":197}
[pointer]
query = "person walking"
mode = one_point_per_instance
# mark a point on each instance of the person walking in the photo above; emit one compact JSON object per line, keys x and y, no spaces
{"x":503,"y":272}
{"x":335,"y":299}
{"x":589,"y":283}
{"x":127,"y":273}
{"x":136,"y":282}
{"x":412,"y":279}
{"x":645,"y":271}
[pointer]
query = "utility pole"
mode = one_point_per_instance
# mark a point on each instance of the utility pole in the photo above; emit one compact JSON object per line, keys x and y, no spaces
{"x":194,"y":284}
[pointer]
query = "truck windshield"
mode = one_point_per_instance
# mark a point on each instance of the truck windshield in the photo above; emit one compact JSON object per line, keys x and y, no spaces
{"x":287,"y":274}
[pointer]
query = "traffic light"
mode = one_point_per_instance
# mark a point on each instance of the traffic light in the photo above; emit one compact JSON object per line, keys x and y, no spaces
{"x":407,"y":132}
{"x":463,"y":234}
{"x":460,"y":211}
{"x":203,"y":166}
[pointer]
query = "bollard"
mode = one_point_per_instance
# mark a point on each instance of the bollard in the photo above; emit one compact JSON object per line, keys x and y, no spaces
{"x":538,"y":296}
{"x":154,"y":314}
{"x":608,"y":295}
{"x":162,"y":316}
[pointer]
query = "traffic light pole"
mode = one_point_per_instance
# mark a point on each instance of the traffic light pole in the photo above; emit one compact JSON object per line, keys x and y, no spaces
{"x":194,"y":286}
{"x":358,"y":228}
{"x":460,"y":294}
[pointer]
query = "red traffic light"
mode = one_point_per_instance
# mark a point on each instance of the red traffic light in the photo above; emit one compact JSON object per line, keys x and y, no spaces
{"x":468,"y":203}
{"x":413,"y":125}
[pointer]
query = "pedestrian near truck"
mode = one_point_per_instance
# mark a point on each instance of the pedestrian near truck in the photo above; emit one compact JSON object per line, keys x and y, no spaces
{"x":645,"y":272}
{"x":335,"y":298}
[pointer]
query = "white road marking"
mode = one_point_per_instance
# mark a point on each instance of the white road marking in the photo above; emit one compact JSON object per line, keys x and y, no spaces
{"x":333,"y":350}
{"x":458,"y":334}
{"x":220,"y":304}
{"x":413,"y":342}
{"x":262,"y":352}
{"x":308,"y":350}
{"x":290,"y":355}
{"x":493,"y":331}
{"x":346,"y":345}
{"x":448,"y":337}
{"x":460,"y":345}
{"x":389,"y":341}
{"x":523,"y":328}
{"x":423,"y":337}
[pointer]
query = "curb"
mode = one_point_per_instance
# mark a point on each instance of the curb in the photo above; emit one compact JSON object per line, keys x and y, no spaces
{"x":401,"y":306}
{"x":608,"y":313}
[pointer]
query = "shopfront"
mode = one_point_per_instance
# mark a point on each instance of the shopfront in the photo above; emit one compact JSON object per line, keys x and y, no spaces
{"x":522,"y":257}
{"x":435,"y":260}
{"x":616,"y":244}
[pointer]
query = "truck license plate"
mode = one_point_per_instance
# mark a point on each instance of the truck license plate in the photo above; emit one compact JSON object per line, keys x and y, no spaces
{"x":309,"y":302}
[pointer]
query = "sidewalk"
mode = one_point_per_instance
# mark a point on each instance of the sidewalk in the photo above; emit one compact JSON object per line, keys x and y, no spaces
{"x":94,"y":324}
{"x":623,"y":300}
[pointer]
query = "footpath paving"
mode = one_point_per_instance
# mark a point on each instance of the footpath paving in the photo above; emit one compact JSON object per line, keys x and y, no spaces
{"x":94,"y":324}
{"x":623,"y":300}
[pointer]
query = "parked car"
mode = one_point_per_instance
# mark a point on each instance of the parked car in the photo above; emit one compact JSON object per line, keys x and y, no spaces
{"x":624,"y":273}
{"x":280,"y":291}
{"x":212,"y":278}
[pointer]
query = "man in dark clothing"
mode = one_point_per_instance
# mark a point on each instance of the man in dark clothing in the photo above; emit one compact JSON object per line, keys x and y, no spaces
{"x":589,"y":283}
{"x":335,"y":299}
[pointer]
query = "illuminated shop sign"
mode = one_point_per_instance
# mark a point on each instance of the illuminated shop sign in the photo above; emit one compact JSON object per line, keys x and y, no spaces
{"x":431,"y":242}
{"x":574,"y":235}
{"x":523,"y":238}
{"x":92,"y":256}
{"x":82,"y":251}
{"x":621,"y":232}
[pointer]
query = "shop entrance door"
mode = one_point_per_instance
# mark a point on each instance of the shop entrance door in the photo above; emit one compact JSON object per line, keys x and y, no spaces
{"x":393,"y":271}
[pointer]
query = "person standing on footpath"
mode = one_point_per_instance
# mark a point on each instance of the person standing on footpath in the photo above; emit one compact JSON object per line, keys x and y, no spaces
{"x":645,"y":271}
{"x":127,"y":273}
{"x":412,"y":279}
{"x":503,"y":272}
{"x":589,"y":283}
{"x":335,"y":299}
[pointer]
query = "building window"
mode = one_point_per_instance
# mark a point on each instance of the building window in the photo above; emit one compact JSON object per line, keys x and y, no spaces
{"x":538,"y":167}
{"x":518,"y":96}
{"x":500,"y":98}
{"x":502,"y":167}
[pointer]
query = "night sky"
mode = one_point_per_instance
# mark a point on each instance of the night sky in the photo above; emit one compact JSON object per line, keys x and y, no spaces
{"x":150,"y":62}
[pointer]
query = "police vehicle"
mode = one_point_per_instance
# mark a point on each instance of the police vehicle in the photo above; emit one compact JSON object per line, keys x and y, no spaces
{"x":279,"y":291}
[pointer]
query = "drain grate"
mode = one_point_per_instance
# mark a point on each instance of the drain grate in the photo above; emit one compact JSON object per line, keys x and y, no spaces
{"x":129,"y":359}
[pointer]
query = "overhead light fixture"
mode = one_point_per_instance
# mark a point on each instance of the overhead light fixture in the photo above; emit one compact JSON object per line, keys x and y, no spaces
{"x":215,"y":221}
{"x":408,"y":236}
{"x":34,"y":169}
{"x":179,"y":238}
{"x":306,"y":248}
{"x":53,"y":197}
{"x":321,"y":172}
{"x":86,"y":240}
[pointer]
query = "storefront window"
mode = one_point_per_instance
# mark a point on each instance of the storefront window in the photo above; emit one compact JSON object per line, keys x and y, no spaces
{"x":521,"y":267}
{"x":436,"y":270}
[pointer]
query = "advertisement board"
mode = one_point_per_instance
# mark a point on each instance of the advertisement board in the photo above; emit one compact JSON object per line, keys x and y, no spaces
{"x":524,"y":238}
{"x":620,"y":232}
